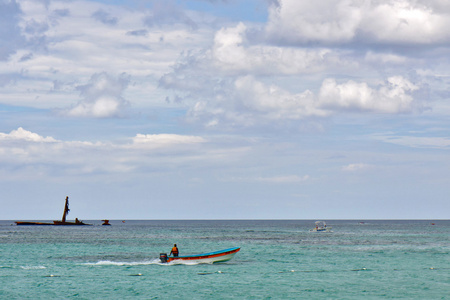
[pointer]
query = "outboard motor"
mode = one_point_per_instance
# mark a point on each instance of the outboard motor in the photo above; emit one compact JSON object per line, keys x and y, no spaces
{"x":163,"y":257}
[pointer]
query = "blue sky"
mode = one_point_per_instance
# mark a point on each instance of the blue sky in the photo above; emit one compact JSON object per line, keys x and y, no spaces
{"x":225,"y":109}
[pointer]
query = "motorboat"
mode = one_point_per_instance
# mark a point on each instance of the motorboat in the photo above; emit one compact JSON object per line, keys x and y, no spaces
{"x":321,"y":226}
{"x":203,"y":258}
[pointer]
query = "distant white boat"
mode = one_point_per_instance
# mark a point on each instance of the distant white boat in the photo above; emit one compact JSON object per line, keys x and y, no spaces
{"x":321,"y":226}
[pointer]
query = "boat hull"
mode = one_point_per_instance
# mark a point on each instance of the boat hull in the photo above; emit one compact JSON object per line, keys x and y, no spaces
{"x":79,"y":223}
{"x":32,"y":223}
{"x":206,"y":258}
{"x":321,"y":230}
{"x":57,"y":223}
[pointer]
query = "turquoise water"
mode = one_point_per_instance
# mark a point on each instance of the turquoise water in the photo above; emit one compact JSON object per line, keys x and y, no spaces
{"x":278,"y":260}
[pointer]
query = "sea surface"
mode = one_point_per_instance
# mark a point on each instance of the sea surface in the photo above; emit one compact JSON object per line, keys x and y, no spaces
{"x":279,"y":259}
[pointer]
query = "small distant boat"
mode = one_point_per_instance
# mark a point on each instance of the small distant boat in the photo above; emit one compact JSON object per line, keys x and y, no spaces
{"x":204,"y":258}
{"x":321,"y":226}
{"x":62,"y":222}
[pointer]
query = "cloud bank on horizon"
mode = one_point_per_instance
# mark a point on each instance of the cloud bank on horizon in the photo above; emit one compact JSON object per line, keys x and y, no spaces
{"x":262,"y":109}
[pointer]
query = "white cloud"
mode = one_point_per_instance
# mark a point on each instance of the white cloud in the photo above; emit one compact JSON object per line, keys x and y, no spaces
{"x":232,"y":52}
{"x":405,"y":21}
{"x":344,"y":21}
{"x":22,"y":151}
{"x":25,"y":135}
{"x":249,"y":102}
{"x":393,"y":96}
{"x":304,"y":21}
{"x":274,"y":102}
{"x":102,"y":97}
{"x":355,"y":167}
{"x":165,"y":140}
{"x":65,"y":42}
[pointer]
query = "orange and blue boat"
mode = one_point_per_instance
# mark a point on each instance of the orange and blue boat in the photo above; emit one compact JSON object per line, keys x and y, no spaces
{"x":203,"y":258}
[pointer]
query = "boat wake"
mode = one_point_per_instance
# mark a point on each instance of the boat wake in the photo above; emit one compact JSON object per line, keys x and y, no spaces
{"x":32,"y":267}
{"x":155,"y":261}
{"x":123,"y":263}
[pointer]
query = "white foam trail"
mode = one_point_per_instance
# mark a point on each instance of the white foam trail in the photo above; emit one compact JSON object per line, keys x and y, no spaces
{"x":33,"y":267}
{"x":155,"y":261}
{"x":121,"y":263}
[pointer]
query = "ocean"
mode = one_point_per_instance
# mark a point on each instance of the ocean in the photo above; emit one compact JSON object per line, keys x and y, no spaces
{"x":279,"y":259}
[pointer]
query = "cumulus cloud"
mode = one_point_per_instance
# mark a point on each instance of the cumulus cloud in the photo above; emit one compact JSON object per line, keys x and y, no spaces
{"x":233,"y":53}
{"x":25,"y":135}
{"x":416,"y":22}
{"x":393,"y":96}
{"x":249,"y":102}
{"x":339,"y":21}
{"x":102,"y":97}
{"x":237,"y":99}
{"x":310,"y":21}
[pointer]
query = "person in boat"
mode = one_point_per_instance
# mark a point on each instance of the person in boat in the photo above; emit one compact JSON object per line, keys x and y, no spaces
{"x":174,"y":251}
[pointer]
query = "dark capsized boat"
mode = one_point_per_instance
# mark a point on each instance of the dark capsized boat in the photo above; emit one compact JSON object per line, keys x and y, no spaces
{"x":62,"y":222}
{"x":203,"y":258}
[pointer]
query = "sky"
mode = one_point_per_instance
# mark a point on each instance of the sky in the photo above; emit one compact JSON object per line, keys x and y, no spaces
{"x":197,"y":109}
